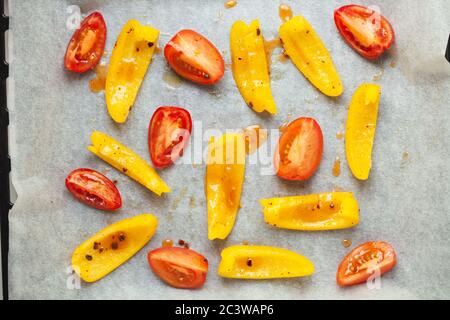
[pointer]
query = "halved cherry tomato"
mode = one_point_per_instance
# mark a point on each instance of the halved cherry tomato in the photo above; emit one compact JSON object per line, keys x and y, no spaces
{"x":364,"y":260}
{"x":365,"y":30}
{"x":94,"y":189}
{"x":179,"y":267}
{"x":87,"y":45}
{"x":168,"y":135}
{"x":299,"y":150}
{"x":194,"y":57}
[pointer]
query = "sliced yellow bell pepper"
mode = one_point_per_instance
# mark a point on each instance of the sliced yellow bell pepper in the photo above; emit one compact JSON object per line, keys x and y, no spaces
{"x":261,"y":262}
{"x":112,"y":246}
{"x":128,"y":65}
{"x":249,"y":66}
{"x":360,"y":129}
{"x":223,"y":185}
{"x":126,"y":161}
{"x":310,"y":56}
{"x":325,"y":211}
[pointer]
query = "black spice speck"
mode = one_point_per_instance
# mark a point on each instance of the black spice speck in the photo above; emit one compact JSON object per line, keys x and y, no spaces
{"x":88,"y":257}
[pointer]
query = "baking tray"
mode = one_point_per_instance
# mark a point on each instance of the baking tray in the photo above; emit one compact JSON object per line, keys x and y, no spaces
{"x":405,"y":201}
{"x":5,"y":163}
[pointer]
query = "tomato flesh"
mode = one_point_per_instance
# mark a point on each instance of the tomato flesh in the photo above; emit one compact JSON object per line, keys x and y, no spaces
{"x":194,"y":58}
{"x":179,"y":267}
{"x":299,"y":150}
{"x":87,"y":45}
{"x":365,"y":30}
{"x":168,"y":135}
{"x":364,"y":260}
{"x":94,"y":189}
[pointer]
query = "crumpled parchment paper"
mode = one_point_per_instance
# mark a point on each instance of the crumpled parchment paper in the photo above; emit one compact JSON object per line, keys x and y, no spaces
{"x":405,"y":201}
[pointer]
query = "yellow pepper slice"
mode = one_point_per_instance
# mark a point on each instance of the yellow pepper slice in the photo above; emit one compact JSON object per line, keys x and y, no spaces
{"x":128,"y":65}
{"x":310,"y":56}
{"x":360,"y":129}
{"x":261,"y":262}
{"x":126,"y":161}
{"x":325,"y":211}
{"x":112,"y":246}
{"x":249,"y":66}
{"x":224,"y":179}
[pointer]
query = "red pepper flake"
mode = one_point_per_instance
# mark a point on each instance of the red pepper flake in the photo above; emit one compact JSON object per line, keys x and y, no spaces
{"x":121,"y":237}
{"x":114,"y":245}
{"x":249,"y":262}
{"x":88,"y":257}
{"x":181,"y":242}
{"x":124,"y":170}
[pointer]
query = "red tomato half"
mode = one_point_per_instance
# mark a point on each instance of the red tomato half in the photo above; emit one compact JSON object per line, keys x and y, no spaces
{"x":168,"y":135}
{"x":94,"y":189}
{"x":87,"y":45}
{"x":179,"y":267}
{"x":299,"y":150}
{"x":365,"y":30}
{"x":194,"y":57}
{"x":364,"y":260}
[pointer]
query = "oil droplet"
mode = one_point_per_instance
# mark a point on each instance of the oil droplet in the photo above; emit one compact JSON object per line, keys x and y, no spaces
{"x":393,"y":64}
{"x":337,"y":188}
{"x":337,"y":167}
{"x":98,"y":83}
{"x":245,"y":243}
{"x":157,"y":50}
{"x":177,"y":201}
{"x":269,"y":46}
{"x":172,"y":79}
{"x":405,"y":159}
{"x":285,"y":12}
{"x":339,"y":135}
{"x":283,"y":127}
{"x":105,"y":53}
{"x":230,"y":4}
{"x":192,"y":202}
{"x":283,"y":57}
{"x":378,"y":76}
{"x":346,"y":243}
{"x":167,"y":243}
{"x":285,"y":124}
{"x":254,"y":137}
{"x":405,"y":156}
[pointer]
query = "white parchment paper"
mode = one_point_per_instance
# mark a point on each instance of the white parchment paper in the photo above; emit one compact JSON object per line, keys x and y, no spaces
{"x":405,"y":201}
